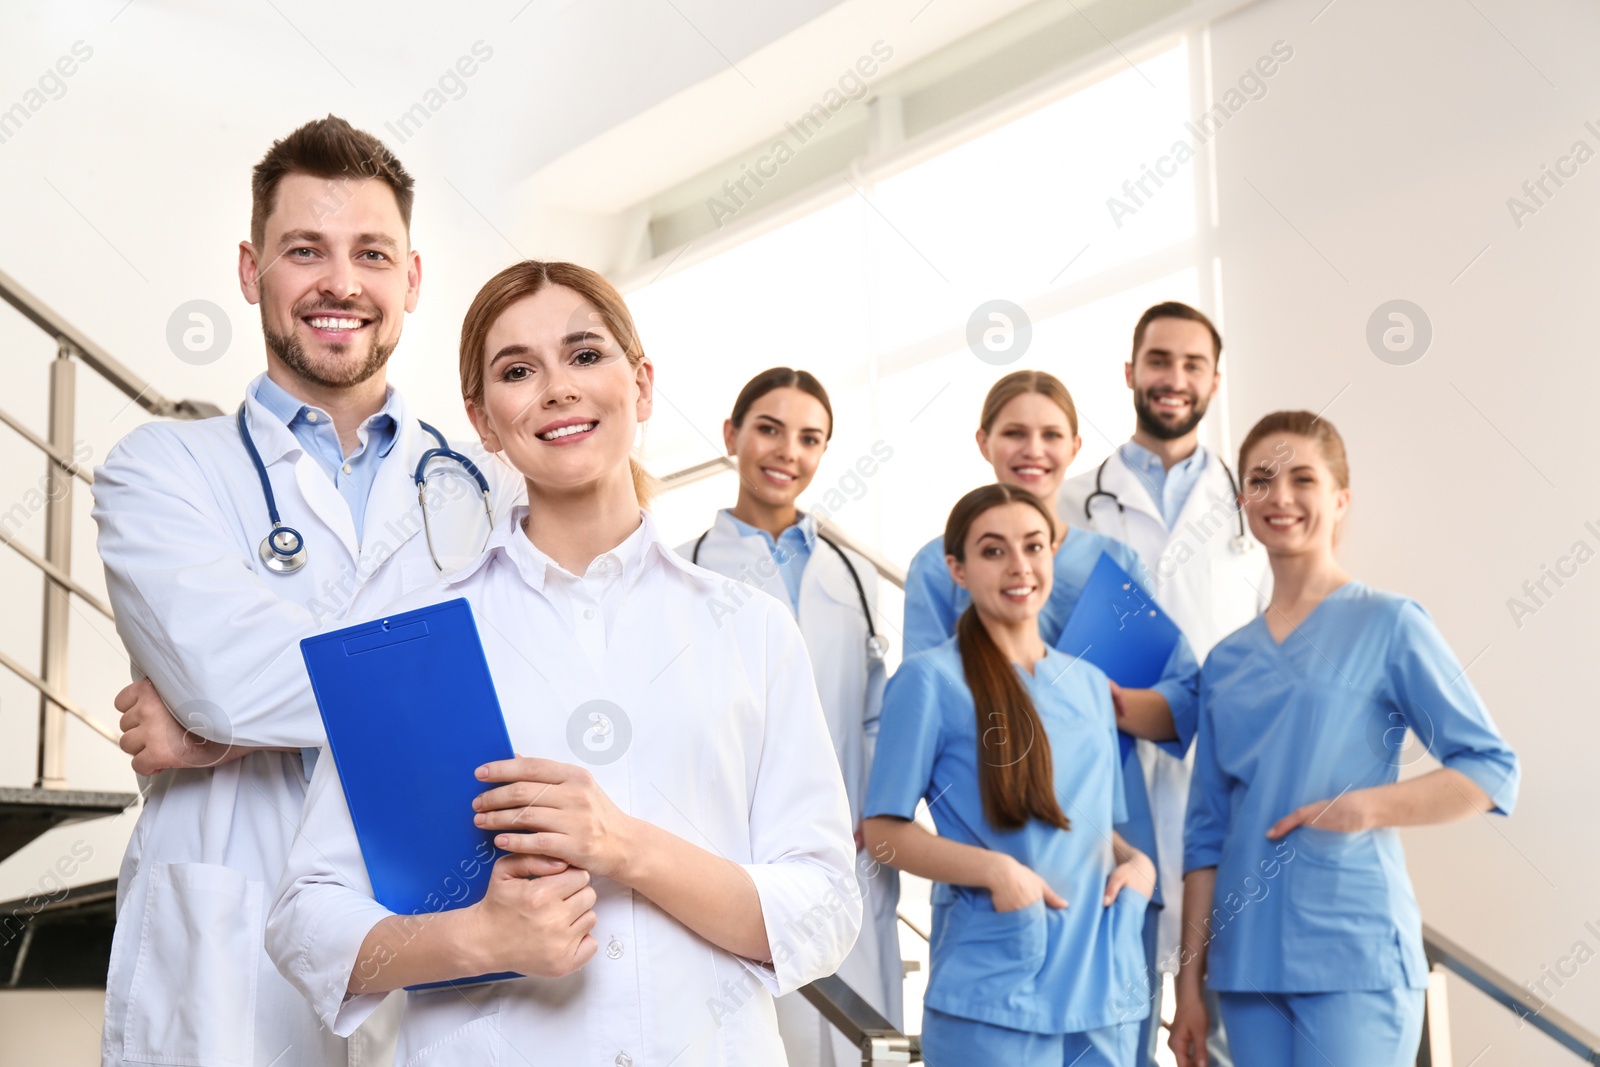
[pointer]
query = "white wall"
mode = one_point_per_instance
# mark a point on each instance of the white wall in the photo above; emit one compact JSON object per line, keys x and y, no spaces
{"x":1377,"y":167}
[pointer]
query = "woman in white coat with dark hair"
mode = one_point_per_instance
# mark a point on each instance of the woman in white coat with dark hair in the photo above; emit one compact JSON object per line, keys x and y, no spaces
{"x":779,"y":429}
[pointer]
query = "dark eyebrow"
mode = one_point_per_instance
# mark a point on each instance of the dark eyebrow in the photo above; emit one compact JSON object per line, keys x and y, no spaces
{"x":1169,"y":352}
{"x":313,"y":237}
{"x":523,"y":350}
{"x":309,"y":237}
{"x":382,"y":240}
{"x":508,"y":351}
{"x":779,"y":422}
{"x":1023,"y":426}
{"x":998,"y":537}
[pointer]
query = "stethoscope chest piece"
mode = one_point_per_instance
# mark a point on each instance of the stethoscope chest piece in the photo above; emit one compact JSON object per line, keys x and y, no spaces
{"x":283,"y":551}
{"x":877,"y":647}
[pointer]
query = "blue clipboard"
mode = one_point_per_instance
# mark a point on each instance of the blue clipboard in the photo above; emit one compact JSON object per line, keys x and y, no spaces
{"x":411,"y":714}
{"x":1119,"y":627}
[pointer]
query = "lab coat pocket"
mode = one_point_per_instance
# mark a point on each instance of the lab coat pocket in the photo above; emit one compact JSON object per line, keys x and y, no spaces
{"x":193,"y":995}
{"x":473,"y":1044}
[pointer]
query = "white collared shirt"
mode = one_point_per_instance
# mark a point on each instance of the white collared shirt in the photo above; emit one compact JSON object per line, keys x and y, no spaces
{"x":705,"y":724}
{"x":590,"y":602}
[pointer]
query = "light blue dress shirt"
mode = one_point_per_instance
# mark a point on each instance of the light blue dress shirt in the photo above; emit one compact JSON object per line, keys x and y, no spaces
{"x":352,"y":475}
{"x":791,"y":550}
{"x":1168,"y":488}
{"x":1038,"y":969}
{"x":1307,"y":721}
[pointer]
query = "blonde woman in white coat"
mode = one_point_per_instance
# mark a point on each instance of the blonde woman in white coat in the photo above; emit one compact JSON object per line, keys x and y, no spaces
{"x":777,"y":434}
{"x":659,"y":896}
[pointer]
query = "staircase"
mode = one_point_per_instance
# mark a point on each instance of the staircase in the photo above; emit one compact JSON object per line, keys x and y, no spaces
{"x":61,"y":938}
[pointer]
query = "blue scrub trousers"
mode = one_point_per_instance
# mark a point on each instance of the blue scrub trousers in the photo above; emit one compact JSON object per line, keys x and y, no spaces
{"x":951,"y":1041}
{"x":1347,"y":1029}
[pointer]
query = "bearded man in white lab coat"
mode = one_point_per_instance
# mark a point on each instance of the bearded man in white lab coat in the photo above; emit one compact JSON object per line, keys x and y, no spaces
{"x":1175,"y":502}
{"x":213,"y":618}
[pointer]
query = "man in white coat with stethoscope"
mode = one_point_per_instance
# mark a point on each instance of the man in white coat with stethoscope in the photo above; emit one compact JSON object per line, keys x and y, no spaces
{"x":1175,"y":503}
{"x":226,"y":541}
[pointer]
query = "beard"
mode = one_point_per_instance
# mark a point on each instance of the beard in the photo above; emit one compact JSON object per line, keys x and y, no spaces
{"x":341,"y":374}
{"x":1151,"y":422}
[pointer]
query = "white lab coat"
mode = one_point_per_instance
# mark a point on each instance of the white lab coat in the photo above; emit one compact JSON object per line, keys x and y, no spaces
{"x":851,"y":687}
{"x":181,"y":513}
{"x":1208,"y":588}
{"x":725,"y":746}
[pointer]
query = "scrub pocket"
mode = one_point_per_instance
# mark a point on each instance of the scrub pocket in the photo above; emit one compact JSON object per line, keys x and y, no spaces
{"x":986,"y":953}
{"x":1337,"y":888}
{"x":193,"y":995}
{"x":1130,"y":977}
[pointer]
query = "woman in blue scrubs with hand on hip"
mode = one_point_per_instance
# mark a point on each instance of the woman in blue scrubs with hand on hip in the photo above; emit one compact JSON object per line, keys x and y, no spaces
{"x":1038,"y":910}
{"x":1297,"y":907}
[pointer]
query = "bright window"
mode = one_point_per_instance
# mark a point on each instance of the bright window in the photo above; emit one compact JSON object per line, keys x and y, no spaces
{"x":872,"y":293}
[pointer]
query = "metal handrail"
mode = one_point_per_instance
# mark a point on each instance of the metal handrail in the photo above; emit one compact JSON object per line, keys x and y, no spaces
{"x":56,"y":574}
{"x":860,"y":1023}
{"x":98,"y":359}
{"x":72,"y":347}
{"x":65,"y":462}
{"x":1571,"y":1035}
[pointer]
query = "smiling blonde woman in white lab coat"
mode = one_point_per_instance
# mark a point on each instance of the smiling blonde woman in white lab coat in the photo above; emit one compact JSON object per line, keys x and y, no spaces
{"x":696,"y":863}
{"x":779,"y":429}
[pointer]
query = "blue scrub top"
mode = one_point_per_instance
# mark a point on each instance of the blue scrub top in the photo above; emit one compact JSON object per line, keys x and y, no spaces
{"x":934,"y":601}
{"x":1040,"y":969}
{"x":1284,"y":726}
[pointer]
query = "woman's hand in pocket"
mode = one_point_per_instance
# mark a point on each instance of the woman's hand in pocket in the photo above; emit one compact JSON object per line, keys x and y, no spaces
{"x":1135,"y":872}
{"x":1013,"y":886}
{"x":1348,"y":813}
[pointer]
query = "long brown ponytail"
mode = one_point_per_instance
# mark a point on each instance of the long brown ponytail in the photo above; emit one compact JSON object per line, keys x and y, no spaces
{"x":1016,"y":775}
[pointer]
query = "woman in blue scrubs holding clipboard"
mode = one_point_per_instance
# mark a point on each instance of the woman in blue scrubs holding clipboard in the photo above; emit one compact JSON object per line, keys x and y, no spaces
{"x":1297,"y":907}
{"x":1039,"y":904}
{"x":1028,"y":432}
{"x":680,"y":842}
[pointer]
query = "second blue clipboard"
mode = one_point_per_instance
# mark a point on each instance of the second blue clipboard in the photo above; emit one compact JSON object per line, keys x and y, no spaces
{"x":411,"y":713}
{"x":1119,"y":627}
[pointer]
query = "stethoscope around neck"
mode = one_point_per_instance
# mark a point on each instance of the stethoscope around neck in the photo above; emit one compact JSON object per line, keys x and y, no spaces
{"x":877,"y":646}
{"x":1239,"y":544}
{"x":283,"y":550}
